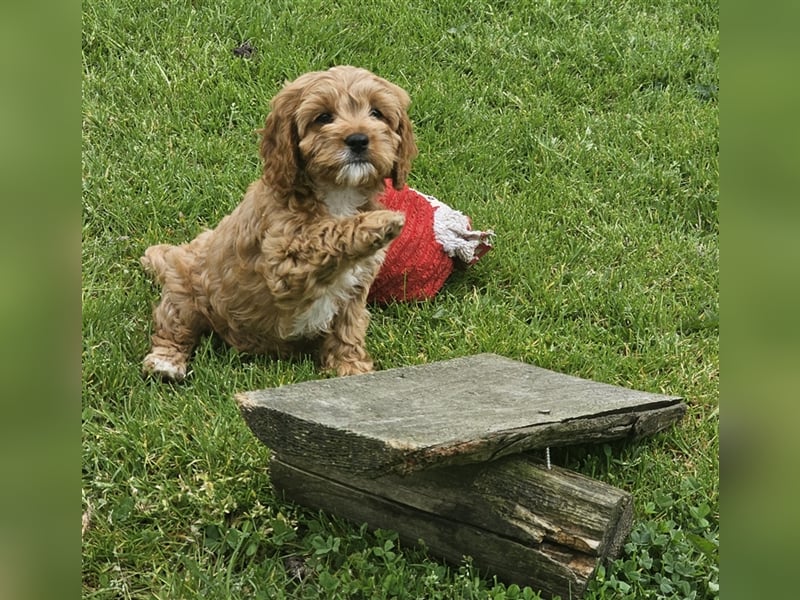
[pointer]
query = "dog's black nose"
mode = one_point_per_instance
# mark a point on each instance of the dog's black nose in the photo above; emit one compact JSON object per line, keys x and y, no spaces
{"x":357,"y":142}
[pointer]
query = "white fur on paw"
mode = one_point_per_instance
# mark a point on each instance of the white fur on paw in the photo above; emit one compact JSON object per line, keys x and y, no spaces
{"x":160,"y":366}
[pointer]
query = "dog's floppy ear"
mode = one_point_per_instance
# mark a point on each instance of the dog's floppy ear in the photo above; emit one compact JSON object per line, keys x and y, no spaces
{"x":408,"y":147}
{"x":279,"y":141}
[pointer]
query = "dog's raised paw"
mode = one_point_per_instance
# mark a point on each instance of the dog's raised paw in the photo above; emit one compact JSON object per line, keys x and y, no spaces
{"x":382,"y":226}
{"x":394,"y":226}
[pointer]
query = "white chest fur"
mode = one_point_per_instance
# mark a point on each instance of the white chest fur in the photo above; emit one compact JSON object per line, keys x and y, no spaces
{"x":318,"y":317}
{"x":344,"y":202}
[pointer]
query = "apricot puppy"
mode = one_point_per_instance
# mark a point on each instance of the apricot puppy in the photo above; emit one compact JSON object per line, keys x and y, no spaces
{"x":288,"y":271}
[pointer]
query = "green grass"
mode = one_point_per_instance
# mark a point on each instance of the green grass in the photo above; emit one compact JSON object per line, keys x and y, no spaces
{"x":584,"y":133}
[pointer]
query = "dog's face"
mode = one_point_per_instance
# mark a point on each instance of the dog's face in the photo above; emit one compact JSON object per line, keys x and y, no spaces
{"x":341,"y":128}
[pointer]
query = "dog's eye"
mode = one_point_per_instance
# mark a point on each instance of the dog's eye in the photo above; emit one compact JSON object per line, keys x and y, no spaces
{"x":375,"y":113}
{"x":324,"y":119}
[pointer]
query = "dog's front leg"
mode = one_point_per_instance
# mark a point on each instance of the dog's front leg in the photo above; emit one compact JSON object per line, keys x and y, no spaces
{"x":336,"y":242}
{"x":343,"y":350}
{"x":319,"y":253}
{"x":324,"y":274}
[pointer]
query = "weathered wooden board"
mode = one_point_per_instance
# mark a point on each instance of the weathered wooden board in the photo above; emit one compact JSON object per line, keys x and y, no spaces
{"x":465,"y":410}
{"x":439,"y":453}
{"x":549,"y":529}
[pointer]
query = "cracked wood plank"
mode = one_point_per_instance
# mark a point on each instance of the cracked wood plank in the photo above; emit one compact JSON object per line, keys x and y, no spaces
{"x":465,"y":410}
{"x":549,"y":529}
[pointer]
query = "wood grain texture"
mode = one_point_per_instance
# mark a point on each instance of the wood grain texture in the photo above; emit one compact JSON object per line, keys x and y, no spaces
{"x":466,"y":410}
{"x":528,"y":525}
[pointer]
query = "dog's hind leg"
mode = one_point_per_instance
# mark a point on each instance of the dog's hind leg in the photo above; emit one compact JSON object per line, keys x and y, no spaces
{"x":178,"y":324}
{"x":154,"y":262}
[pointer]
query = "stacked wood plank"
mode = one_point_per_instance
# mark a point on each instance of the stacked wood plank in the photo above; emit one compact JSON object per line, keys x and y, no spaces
{"x":451,"y":453}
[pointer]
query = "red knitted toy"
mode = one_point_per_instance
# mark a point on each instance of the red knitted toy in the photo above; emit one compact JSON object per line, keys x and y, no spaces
{"x":420,"y":260}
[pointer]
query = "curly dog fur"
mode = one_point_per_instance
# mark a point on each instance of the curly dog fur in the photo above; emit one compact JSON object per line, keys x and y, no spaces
{"x":288,"y":271}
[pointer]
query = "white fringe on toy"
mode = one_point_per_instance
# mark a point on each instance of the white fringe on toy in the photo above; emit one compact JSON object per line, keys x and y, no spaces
{"x":453,"y":230}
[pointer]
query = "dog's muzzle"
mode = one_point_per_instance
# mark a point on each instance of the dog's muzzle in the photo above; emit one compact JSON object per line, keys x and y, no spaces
{"x":356,"y":167}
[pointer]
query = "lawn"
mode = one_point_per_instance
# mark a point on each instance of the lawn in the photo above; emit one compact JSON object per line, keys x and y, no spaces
{"x":584,"y":133}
